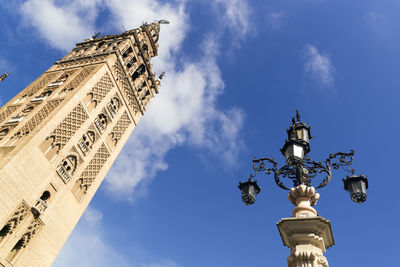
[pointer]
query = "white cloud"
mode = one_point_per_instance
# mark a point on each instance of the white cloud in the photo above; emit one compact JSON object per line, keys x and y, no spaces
{"x":318,"y":67}
{"x":376,"y":20}
{"x":5,"y":66}
{"x":185,"y":112}
{"x":61,"y":25}
{"x":275,"y":19}
{"x":235,"y":15}
{"x":88,"y":246}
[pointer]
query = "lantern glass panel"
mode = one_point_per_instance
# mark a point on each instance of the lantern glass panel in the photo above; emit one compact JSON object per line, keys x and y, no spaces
{"x":293,"y":150}
{"x":298,"y":151}
{"x":302,"y":134}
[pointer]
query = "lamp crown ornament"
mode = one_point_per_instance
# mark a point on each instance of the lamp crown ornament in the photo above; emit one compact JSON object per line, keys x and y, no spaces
{"x":302,"y":169}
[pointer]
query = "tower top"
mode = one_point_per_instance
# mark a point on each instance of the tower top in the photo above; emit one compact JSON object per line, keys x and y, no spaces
{"x":3,"y":76}
{"x":152,"y":31}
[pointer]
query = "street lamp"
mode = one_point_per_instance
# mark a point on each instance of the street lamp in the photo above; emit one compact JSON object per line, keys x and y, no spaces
{"x":301,"y":231}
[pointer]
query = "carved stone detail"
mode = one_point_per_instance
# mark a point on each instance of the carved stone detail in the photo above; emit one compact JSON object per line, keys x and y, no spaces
{"x":17,"y":217}
{"x":92,"y":169}
{"x":79,"y":78}
{"x":308,"y":239}
{"x":102,"y":87}
{"x":121,"y":126}
{"x":8,"y":111}
{"x":303,"y":198}
{"x":34,"y":88}
{"x":32,"y":230}
{"x":68,"y":127}
{"x":80,"y":62}
{"x":126,"y":90}
{"x":28,"y":127}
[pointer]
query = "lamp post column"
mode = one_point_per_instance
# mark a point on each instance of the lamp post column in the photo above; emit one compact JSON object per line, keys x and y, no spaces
{"x":306,"y":234}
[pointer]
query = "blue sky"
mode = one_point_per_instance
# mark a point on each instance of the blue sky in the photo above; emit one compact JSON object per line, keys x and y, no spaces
{"x":236,"y":72}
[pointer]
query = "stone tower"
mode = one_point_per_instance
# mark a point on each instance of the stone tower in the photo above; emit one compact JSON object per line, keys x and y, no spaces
{"x":61,"y":134}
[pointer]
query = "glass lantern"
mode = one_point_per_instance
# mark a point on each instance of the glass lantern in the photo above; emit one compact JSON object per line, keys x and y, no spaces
{"x":301,"y":133}
{"x":293,"y":150}
{"x":357,"y":187}
{"x":249,"y":191}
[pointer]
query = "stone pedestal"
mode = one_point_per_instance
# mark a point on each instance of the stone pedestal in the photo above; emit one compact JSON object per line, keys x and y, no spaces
{"x":306,"y":234}
{"x":307,"y":238}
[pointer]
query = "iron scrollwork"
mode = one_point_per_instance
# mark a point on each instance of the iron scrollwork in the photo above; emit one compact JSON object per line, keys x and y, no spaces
{"x":304,"y":171}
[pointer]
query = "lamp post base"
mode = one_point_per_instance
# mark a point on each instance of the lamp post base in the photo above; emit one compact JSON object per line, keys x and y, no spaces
{"x":308,"y":238}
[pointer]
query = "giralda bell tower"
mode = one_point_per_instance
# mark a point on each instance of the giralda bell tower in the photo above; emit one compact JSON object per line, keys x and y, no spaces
{"x":61,"y":134}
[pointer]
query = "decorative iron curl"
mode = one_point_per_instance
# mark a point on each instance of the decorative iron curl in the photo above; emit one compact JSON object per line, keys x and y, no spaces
{"x":341,"y":159}
{"x":264,"y":164}
{"x":303,"y":172}
{"x":316,"y":167}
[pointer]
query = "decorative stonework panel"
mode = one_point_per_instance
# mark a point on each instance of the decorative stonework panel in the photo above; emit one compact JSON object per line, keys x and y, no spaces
{"x":67,"y":128}
{"x":121,"y":126}
{"x":126,"y":90}
{"x":90,"y":172}
{"x":79,"y":78}
{"x":81,"y":62}
{"x":8,"y":111}
{"x":40,"y":84}
{"x":32,"y":230}
{"x":37,"y":119}
{"x":101,"y":89}
{"x":17,"y":217}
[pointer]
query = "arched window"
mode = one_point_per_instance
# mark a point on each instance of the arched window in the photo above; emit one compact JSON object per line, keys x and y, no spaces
{"x":46,"y":145}
{"x":4,"y":231}
{"x":131,"y":62}
{"x":101,"y":122}
{"x":4,"y":132}
{"x":113,"y":106}
{"x":52,"y":152}
{"x":92,"y":105}
{"x":17,"y":248}
{"x":127,"y":52}
{"x":79,"y":189}
{"x":45,"y":196}
{"x":41,"y":204}
{"x":28,"y":109}
{"x":111,"y":141}
{"x":90,"y":102}
{"x":67,"y":168}
{"x":138,"y":72}
{"x":86,"y":142}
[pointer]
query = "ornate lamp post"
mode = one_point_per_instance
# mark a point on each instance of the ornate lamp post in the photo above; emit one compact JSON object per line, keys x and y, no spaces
{"x":306,"y":234}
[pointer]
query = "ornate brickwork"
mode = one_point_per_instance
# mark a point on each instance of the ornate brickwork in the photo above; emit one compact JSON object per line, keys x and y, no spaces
{"x":17,"y":217}
{"x":40,"y":84}
{"x":80,"y":77}
{"x":24,"y":240}
{"x":90,"y":173}
{"x":67,"y":128}
{"x":32,"y":230}
{"x":81,"y":62}
{"x":8,"y":111}
{"x":101,"y":89}
{"x":126,"y":90}
{"x":121,"y":126}
{"x":40,"y":115}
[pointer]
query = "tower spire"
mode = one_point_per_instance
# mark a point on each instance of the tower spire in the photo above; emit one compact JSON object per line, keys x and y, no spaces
{"x":3,"y":76}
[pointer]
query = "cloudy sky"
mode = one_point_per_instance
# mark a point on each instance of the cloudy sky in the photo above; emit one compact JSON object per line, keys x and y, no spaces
{"x":236,"y":71}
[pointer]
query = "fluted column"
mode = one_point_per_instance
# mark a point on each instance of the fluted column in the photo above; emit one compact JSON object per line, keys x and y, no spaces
{"x":306,"y":234}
